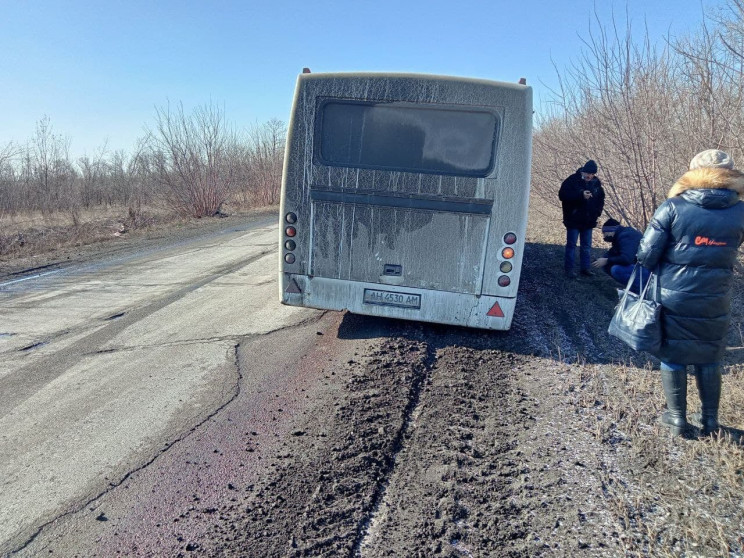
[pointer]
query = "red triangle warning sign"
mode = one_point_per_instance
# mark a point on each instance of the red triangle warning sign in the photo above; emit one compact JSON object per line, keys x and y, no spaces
{"x":293,"y":287}
{"x":496,"y":311}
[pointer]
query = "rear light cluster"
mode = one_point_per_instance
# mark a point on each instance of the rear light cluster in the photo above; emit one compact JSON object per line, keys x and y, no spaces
{"x":289,"y":233}
{"x":507,"y":253}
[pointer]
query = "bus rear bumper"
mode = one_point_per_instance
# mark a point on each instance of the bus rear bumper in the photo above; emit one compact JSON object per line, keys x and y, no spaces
{"x":374,"y":299}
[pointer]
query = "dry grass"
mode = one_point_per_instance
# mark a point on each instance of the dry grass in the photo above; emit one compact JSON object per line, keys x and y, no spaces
{"x":46,"y":236}
{"x":672,"y":497}
{"x":675,"y":496}
{"x":38,"y":234}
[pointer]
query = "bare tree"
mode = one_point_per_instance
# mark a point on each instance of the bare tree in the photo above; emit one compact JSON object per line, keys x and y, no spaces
{"x":265,"y":161}
{"x":612,"y":108}
{"x":191,"y":163}
{"x":93,"y":176}
{"x":130,"y":181}
{"x":50,"y":173}
{"x":642,"y":112}
{"x":8,"y":189}
{"x":714,"y":65}
{"x":190,"y":156}
{"x":9,"y":153}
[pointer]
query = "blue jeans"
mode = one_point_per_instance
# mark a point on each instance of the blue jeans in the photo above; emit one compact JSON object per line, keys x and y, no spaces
{"x":673,"y":367}
{"x":621,"y":274}
{"x":584,"y":236}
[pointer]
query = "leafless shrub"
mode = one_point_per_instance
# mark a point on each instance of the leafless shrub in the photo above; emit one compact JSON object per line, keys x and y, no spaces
{"x":613,"y":110}
{"x":110,"y":193}
{"x":7,"y":195}
{"x":191,"y":164}
{"x":192,"y":158}
{"x":265,"y":160}
{"x":130,"y":180}
{"x":92,"y":173}
{"x":47,"y":173}
{"x":643,"y":111}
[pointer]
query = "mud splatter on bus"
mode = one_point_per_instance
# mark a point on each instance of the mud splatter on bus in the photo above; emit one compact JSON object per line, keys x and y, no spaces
{"x":406,"y":196}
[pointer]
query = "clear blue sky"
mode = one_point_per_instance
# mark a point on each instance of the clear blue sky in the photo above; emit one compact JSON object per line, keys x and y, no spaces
{"x":98,"y":68}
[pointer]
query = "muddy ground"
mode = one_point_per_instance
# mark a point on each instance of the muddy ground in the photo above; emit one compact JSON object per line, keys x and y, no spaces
{"x":442,"y":441}
{"x":450,"y":442}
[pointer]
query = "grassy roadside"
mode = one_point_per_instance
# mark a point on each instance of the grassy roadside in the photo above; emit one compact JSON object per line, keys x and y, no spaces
{"x":35,"y":233}
{"x":35,"y":240}
{"x":672,"y":497}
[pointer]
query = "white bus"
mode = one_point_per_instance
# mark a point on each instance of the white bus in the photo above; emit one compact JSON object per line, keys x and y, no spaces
{"x":406,"y":196}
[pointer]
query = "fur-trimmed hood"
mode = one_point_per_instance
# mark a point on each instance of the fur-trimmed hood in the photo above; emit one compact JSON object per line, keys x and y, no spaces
{"x":709,"y":178}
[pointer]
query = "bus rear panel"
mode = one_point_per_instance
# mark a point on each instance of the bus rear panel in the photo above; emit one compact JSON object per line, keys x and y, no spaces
{"x":406,"y":196}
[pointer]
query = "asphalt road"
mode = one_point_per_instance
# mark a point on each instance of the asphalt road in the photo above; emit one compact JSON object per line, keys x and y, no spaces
{"x":105,"y":364}
{"x":159,"y":402}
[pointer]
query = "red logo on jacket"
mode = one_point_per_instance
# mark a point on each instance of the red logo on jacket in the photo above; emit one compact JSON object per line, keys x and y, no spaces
{"x":705,"y":241}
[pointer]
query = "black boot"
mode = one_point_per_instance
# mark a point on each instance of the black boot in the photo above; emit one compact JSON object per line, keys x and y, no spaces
{"x":675,"y":391}
{"x":708,"y":379}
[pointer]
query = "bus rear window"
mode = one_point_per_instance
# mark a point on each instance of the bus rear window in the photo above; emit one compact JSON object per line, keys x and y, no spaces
{"x":407,"y":137}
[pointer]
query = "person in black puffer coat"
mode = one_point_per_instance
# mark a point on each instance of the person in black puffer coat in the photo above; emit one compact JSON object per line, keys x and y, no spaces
{"x":692,"y":242}
{"x":582,"y":198}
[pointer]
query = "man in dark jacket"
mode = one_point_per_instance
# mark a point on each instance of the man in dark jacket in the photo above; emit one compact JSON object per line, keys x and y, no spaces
{"x":619,"y":261}
{"x":582,"y":198}
{"x":694,"y":238}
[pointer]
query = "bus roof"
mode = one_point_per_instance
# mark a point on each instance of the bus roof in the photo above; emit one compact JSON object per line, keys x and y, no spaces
{"x":404,"y":75}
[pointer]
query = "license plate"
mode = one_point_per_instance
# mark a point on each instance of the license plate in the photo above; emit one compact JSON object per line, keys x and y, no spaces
{"x":390,"y":298}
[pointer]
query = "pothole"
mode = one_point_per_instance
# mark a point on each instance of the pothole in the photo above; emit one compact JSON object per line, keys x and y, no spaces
{"x":116,"y":316}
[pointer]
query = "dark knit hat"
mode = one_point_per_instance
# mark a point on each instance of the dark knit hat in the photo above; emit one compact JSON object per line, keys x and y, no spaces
{"x":589,"y":167}
{"x":610,"y":225}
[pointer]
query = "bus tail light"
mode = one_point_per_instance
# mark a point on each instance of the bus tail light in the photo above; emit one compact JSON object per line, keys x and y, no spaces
{"x":291,"y":232}
{"x":506,"y":266}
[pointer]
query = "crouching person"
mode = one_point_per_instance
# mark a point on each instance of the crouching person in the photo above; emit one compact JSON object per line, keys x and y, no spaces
{"x":618,"y":262}
{"x":694,"y":237}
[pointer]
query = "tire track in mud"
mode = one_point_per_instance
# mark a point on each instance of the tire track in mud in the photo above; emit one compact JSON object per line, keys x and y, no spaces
{"x":425,"y":452}
{"x":415,"y":462}
{"x":450,"y":494}
{"x":420,"y":378}
{"x":335,"y":471}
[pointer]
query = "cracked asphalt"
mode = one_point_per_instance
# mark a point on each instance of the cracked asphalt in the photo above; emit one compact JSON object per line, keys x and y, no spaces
{"x":107,"y":360}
